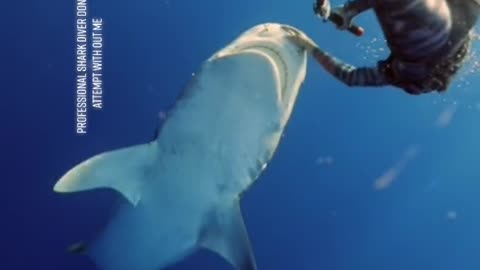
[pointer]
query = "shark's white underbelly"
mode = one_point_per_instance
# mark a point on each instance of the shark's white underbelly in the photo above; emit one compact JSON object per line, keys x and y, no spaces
{"x":213,"y":146}
{"x":183,"y":188}
{"x":222,"y":132}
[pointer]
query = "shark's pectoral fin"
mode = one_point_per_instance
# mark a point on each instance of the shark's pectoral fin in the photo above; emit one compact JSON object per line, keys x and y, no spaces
{"x":122,"y":170}
{"x":226,"y":235}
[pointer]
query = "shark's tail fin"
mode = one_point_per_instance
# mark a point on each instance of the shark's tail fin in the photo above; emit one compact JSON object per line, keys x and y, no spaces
{"x":121,"y":170}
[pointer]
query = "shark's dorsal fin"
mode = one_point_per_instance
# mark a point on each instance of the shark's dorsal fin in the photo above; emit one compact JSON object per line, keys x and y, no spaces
{"x":121,"y":170}
{"x":227,"y":236}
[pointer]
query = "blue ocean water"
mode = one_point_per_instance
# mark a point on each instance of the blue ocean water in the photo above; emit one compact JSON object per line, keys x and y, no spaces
{"x":363,"y":179}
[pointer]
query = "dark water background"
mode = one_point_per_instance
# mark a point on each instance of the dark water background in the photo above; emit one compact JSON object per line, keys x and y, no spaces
{"x":317,"y":205}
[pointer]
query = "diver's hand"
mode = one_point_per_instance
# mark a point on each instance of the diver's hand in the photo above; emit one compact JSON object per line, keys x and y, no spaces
{"x":322,"y":9}
{"x":345,"y":16}
{"x":303,"y":41}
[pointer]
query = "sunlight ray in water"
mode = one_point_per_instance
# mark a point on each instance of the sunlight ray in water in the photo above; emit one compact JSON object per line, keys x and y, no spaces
{"x":391,"y":174}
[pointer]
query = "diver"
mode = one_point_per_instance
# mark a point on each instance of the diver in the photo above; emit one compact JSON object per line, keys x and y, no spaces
{"x":429,"y":41}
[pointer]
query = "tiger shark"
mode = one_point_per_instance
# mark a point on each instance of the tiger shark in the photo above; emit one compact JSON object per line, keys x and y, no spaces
{"x":183,"y":189}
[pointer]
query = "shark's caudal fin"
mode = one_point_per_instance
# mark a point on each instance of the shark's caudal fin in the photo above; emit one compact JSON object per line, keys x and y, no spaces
{"x":227,"y":236}
{"x":121,"y":170}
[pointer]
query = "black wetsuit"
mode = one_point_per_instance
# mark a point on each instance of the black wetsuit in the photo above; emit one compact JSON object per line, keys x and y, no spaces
{"x":428,"y":40}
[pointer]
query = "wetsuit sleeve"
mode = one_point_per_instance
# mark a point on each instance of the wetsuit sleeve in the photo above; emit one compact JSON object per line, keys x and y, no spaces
{"x":359,"y":6}
{"x":348,"y":74}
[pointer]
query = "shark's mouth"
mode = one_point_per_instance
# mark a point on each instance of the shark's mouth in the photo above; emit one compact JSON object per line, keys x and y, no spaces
{"x":280,"y":66}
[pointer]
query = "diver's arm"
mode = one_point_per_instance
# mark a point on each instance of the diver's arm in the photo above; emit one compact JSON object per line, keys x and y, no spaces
{"x":348,"y":74}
